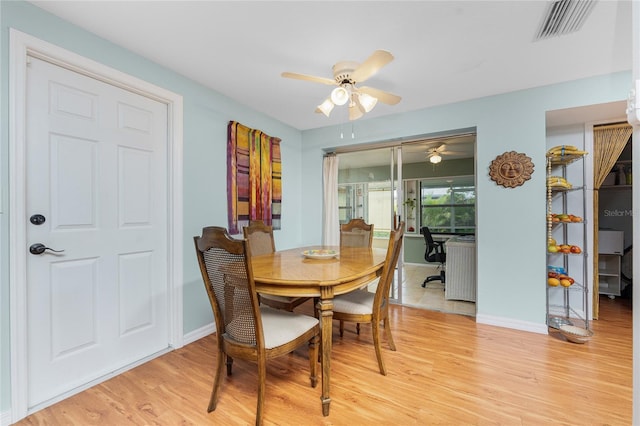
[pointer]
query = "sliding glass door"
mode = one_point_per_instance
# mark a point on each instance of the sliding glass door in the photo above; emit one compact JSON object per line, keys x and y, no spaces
{"x":437,"y":176}
{"x":368,"y":186}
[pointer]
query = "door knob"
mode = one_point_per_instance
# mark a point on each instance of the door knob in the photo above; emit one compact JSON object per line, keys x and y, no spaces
{"x":37,"y":219}
{"x":39,"y":248}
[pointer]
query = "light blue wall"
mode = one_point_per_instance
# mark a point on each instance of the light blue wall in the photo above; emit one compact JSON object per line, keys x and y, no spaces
{"x":206,"y":114}
{"x":511,"y":242}
{"x":511,"y":222}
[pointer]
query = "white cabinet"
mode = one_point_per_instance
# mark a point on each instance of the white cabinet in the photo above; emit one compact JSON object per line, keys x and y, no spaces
{"x":609,"y":274}
{"x":610,"y":251}
{"x":611,"y":241}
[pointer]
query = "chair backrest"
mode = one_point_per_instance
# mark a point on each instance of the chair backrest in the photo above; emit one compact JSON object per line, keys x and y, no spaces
{"x":381,"y":299}
{"x":356,"y":233}
{"x":428,"y":239}
{"x":433,"y":252}
{"x":228,"y":278}
{"x":260,"y":238}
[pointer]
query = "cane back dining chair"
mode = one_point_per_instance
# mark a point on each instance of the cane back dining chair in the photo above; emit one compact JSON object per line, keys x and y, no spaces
{"x":434,"y":252}
{"x":362,"y":306}
{"x":244,"y":329}
{"x":356,"y":233}
{"x":260,"y":239}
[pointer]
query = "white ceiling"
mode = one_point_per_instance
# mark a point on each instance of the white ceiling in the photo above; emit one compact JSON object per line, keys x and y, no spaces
{"x":445,"y":51}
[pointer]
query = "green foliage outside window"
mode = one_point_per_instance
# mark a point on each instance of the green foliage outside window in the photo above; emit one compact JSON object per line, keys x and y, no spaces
{"x":448,"y":209}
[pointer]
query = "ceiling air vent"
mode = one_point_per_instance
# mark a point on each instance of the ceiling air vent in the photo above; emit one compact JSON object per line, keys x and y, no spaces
{"x":564,"y":17}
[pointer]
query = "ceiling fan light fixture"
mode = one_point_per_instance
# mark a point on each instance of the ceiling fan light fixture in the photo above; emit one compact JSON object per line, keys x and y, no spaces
{"x":348,"y":74}
{"x":435,"y":158}
{"x":367,"y":101}
{"x":339,"y":95}
{"x":325,"y":107}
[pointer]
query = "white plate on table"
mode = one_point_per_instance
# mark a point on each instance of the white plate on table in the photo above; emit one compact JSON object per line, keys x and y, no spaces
{"x":320,"y":254}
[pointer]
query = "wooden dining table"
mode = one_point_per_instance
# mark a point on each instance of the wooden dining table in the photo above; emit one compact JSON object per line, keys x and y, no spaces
{"x":290,"y":273}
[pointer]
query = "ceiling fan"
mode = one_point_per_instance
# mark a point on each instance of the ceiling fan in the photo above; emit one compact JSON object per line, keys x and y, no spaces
{"x":435,"y":154}
{"x":346,"y":75}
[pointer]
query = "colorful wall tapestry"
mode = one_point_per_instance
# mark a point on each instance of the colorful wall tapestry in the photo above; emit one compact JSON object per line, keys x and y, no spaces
{"x":254,"y":177}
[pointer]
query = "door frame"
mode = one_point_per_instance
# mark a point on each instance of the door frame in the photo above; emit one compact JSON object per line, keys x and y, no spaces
{"x":398,"y":194}
{"x":21,"y":46}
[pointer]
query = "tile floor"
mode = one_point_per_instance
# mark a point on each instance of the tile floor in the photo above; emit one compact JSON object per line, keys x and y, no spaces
{"x":431,"y":297}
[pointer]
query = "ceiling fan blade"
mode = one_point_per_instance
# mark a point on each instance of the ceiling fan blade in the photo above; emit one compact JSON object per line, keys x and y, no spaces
{"x":371,"y":65}
{"x":433,"y":144}
{"x":453,"y":153}
{"x":305,"y":77}
{"x":354,"y":112}
{"x":384,"y":97}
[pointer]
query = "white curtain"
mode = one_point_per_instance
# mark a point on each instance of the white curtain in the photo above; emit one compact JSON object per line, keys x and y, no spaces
{"x":331,"y":220}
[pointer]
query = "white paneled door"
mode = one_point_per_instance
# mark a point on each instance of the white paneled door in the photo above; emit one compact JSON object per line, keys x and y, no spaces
{"x":96,"y":188}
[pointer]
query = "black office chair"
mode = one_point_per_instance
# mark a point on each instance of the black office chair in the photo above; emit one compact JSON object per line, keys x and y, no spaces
{"x":434,"y":252}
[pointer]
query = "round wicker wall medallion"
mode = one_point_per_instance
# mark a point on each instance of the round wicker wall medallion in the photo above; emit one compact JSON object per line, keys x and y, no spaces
{"x":511,"y":169}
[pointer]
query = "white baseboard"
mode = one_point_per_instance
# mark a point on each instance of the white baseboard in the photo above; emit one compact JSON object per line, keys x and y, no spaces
{"x":199,"y":333}
{"x":511,"y":323}
{"x":5,"y":418}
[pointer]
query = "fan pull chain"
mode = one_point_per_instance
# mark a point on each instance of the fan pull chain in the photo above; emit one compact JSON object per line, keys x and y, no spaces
{"x":353,"y":133}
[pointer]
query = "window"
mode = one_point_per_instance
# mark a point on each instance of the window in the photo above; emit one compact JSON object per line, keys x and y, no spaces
{"x":380,"y":196}
{"x":448,"y":206}
{"x":369,"y":201}
{"x":345,"y":203}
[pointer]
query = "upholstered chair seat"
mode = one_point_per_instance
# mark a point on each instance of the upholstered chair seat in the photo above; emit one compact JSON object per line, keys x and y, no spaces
{"x":244,"y":328}
{"x":362,"y":306}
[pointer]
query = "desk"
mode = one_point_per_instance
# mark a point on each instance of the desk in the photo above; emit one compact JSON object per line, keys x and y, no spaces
{"x":289,"y":273}
{"x":461,"y":269}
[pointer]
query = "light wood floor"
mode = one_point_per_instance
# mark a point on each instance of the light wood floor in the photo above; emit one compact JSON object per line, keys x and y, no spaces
{"x":447,"y":370}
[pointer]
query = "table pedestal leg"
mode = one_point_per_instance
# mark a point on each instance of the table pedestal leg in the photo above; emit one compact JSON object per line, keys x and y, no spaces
{"x":325,"y":309}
